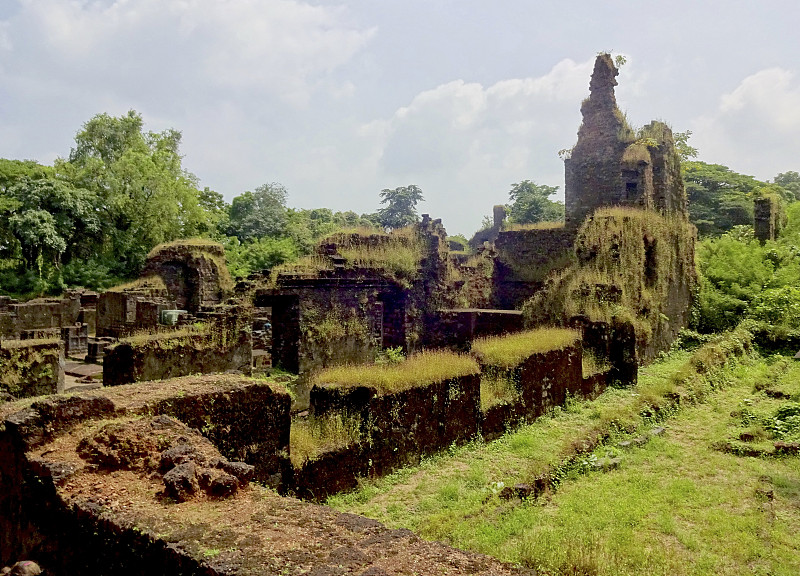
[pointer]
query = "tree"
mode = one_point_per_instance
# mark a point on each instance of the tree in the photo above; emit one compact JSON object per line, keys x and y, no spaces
{"x":401,"y":206}
{"x":38,"y":236}
{"x":259,"y":214}
{"x":53,"y":213}
{"x":685,"y":151}
{"x":789,"y":181}
{"x":216,"y":211}
{"x":719,"y":198}
{"x":145,"y":197}
{"x":530,"y":203}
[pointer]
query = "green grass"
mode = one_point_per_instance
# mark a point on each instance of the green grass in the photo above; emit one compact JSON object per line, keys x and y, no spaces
{"x":166,"y":338}
{"x":398,"y":254}
{"x":147,"y":284}
{"x":591,"y":364}
{"x":626,"y":261}
{"x":312,"y":436}
{"x":417,"y":370}
{"x":194,"y":244}
{"x":511,"y":350}
{"x":497,"y":387}
{"x":14,"y":344}
{"x":675,"y":505}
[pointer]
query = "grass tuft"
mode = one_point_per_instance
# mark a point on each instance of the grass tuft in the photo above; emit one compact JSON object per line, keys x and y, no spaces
{"x":512,"y":349}
{"x":312,"y":436}
{"x":417,"y":370}
{"x":498,"y":387}
{"x":514,"y":227}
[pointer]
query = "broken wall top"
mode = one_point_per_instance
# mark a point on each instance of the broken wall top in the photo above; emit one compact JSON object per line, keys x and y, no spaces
{"x":194,"y":272}
{"x":612,"y":165}
{"x":598,"y":135}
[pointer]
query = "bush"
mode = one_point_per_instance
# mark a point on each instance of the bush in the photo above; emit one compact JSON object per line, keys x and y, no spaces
{"x":780,"y":306}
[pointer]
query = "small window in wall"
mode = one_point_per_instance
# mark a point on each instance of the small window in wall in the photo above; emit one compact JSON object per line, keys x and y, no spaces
{"x":630,"y":190}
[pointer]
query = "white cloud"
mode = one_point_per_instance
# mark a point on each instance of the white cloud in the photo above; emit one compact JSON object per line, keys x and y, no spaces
{"x":282,"y":48}
{"x":754,"y":128}
{"x":465,"y":144}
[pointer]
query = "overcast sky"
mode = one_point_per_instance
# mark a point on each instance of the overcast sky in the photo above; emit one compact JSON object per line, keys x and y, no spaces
{"x":340,"y":99}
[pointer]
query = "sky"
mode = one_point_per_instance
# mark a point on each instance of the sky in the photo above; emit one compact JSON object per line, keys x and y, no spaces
{"x":338,"y":100}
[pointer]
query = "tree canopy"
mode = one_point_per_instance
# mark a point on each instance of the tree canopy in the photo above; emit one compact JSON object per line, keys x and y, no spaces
{"x":259,"y":213}
{"x":401,"y":206}
{"x":530,"y":203}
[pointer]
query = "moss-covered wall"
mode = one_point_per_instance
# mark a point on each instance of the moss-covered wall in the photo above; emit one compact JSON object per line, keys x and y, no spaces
{"x":632,"y":265}
{"x":31,"y":367}
{"x":523,"y":261}
{"x":193,"y":271}
{"x":768,"y":217}
{"x":220,"y":347}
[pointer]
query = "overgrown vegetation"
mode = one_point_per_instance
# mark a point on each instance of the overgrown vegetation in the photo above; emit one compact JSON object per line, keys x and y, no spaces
{"x":740,"y":277}
{"x":498,"y":387}
{"x":397,"y":254}
{"x":416,"y":370}
{"x":315,"y":435}
{"x":510,"y":350}
{"x":593,"y":522}
{"x":334,"y":330}
{"x":627,"y":260}
{"x":514,"y":227}
{"x":29,"y":367}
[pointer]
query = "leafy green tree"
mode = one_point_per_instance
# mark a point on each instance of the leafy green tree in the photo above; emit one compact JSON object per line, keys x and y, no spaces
{"x":63,"y":217}
{"x":145,"y":197}
{"x":216,"y":211}
{"x":685,"y":151}
{"x":719,"y":198}
{"x":401,"y":206}
{"x":38,"y":236}
{"x":530,"y":203}
{"x":13,"y":171}
{"x":789,"y":181}
{"x":778,"y":306}
{"x":259,"y":214}
{"x":741,"y":278}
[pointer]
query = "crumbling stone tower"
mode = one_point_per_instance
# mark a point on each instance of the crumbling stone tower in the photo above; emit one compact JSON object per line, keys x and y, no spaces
{"x":611,"y":165}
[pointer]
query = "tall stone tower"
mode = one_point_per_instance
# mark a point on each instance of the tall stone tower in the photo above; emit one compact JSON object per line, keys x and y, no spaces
{"x":611,"y":165}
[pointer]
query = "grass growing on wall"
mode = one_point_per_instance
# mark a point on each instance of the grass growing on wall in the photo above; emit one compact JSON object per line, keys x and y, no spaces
{"x":627,"y":261}
{"x":498,"y":387}
{"x":417,"y":370}
{"x":23,"y":366}
{"x":398,"y":254}
{"x":514,"y":227}
{"x":512,"y":349}
{"x":167,"y":338}
{"x":312,"y":436}
{"x":202,"y":248}
{"x":329,"y":332}
{"x":145,"y":284}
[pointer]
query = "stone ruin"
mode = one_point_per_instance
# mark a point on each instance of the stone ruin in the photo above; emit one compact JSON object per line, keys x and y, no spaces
{"x":612,"y":166}
{"x":768,"y":218}
{"x":79,"y":473}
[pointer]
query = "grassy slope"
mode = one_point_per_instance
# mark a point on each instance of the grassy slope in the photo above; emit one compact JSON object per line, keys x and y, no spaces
{"x":674,"y":506}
